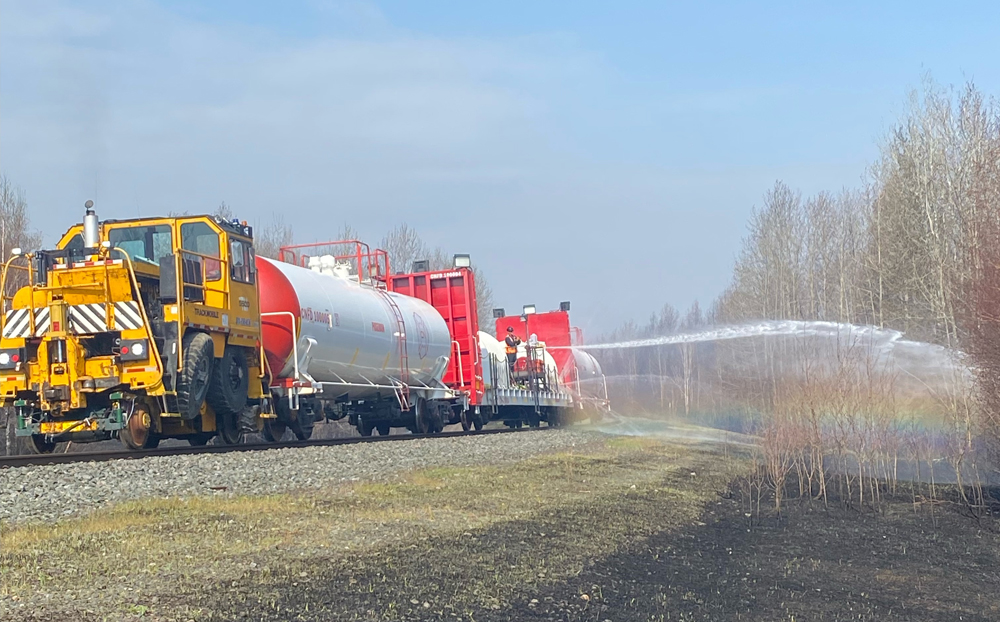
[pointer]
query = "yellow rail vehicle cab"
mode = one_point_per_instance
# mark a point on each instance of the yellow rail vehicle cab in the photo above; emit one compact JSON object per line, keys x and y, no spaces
{"x":138,"y":329}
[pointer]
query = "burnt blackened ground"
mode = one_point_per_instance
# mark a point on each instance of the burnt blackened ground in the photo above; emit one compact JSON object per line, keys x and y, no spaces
{"x":814,"y":563}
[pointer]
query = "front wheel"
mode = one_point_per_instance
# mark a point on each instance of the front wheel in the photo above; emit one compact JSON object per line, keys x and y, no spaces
{"x":38,"y":444}
{"x":193,"y":380}
{"x":230,"y":382}
{"x":228,"y":427}
{"x":138,"y":432}
{"x":274,"y":430}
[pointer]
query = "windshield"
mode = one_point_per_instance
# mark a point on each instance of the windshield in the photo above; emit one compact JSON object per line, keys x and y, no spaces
{"x":143,"y":244}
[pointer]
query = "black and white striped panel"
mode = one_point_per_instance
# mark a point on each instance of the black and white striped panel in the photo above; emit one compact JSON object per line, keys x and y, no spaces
{"x":42,"y":321}
{"x":85,"y":319}
{"x":16,"y":324}
{"x":127,"y":316}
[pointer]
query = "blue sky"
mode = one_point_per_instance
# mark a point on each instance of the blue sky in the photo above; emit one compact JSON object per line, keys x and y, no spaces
{"x":604,"y":153}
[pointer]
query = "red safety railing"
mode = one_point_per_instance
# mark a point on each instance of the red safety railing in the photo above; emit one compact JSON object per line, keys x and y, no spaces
{"x":367,"y":263}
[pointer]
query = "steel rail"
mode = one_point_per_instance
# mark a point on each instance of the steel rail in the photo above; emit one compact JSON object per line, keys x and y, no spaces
{"x":106,"y":456}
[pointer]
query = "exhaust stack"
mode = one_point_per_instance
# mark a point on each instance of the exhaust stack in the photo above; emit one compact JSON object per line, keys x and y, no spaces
{"x":91,"y":233}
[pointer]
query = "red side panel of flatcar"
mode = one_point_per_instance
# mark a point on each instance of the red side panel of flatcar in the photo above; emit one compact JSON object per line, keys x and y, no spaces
{"x":550,"y":327}
{"x":453,"y":294}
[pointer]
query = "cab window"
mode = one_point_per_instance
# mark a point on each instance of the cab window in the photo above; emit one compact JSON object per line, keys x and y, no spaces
{"x":143,"y":244}
{"x":199,"y":238}
{"x":241,"y":259}
{"x":74,"y":248}
{"x":75,"y":244}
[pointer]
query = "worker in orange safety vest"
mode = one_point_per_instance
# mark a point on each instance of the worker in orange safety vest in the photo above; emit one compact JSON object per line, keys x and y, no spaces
{"x":512,"y":342}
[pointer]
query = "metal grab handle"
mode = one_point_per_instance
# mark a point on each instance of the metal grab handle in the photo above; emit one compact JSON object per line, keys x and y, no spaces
{"x":458,"y":353}
{"x":295,"y":339}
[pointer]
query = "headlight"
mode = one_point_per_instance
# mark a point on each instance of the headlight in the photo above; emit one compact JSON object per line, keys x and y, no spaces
{"x":134,"y":350}
{"x":10,"y":358}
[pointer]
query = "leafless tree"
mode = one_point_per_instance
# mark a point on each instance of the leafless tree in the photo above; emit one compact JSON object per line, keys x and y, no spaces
{"x":224,"y":212}
{"x":269,"y":239}
{"x":15,"y":230}
{"x":404,"y":246}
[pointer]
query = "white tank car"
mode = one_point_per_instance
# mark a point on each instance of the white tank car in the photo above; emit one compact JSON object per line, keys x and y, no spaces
{"x":491,"y":347}
{"x":589,"y":373}
{"x":346,"y":333}
{"x":492,"y":350}
{"x":551,"y":369}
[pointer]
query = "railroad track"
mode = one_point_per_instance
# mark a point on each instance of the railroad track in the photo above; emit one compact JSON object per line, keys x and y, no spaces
{"x":105,"y":456}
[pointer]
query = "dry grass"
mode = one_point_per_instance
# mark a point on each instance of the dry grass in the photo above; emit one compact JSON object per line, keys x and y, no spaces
{"x":457,"y":539}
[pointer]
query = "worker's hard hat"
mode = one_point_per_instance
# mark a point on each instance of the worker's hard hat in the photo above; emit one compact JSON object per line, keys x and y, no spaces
{"x":510,"y":329}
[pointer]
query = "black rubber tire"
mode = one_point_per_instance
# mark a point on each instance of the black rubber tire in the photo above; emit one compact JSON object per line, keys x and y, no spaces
{"x":37,"y":444}
{"x":230,"y":384}
{"x":383,"y":429}
{"x":227,"y":429}
{"x":199,"y":440}
{"x":273,"y":430}
{"x":194,"y":378}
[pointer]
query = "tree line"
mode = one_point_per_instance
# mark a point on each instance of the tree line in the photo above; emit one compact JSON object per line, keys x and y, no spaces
{"x":915,"y":248}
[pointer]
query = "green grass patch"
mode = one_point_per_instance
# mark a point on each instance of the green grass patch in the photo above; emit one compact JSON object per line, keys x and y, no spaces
{"x":457,"y":539}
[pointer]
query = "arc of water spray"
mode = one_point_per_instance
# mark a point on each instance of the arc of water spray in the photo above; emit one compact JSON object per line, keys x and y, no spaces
{"x":763,"y":329}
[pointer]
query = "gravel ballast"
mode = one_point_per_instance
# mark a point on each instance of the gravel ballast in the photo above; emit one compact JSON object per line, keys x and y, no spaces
{"x":48,"y":493}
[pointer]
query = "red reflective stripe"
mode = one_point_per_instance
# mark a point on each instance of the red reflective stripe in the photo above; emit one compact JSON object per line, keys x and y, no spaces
{"x":138,"y":370}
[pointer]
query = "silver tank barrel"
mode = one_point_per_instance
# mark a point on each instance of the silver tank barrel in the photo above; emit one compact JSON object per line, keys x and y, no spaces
{"x":346,"y":332}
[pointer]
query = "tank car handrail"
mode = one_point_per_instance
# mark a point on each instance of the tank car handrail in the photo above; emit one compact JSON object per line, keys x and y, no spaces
{"x":458,"y":354}
{"x":295,"y":340}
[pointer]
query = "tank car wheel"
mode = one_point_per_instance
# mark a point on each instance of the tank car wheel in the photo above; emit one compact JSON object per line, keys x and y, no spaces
{"x":38,"y":445}
{"x":466,"y":422}
{"x":383,"y":429}
{"x":193,"y":381}
{"x":230,"y":382}
{"x":365,"y":427}
{"x":440,"y":419}
{"x":302,"y":425}
{"x":273,"y":430}
{"x":477,"y":422}
{"x":228,"y":428}
{"x":429,"y":420}
{"x":199,"y":440}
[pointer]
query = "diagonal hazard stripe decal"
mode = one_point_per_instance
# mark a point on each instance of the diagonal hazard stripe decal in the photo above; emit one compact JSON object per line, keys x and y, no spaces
{"x":127,"y":315}
{"x":42,"y":321}
{"x":90,"y":318}
{"x":16,"y":324}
